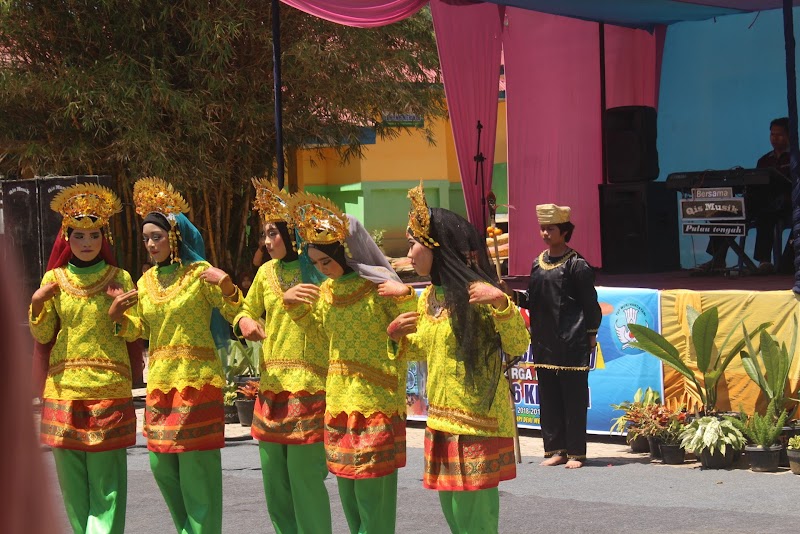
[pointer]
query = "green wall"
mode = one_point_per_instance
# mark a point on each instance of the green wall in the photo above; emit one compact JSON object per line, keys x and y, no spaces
{"x":384,"y":205}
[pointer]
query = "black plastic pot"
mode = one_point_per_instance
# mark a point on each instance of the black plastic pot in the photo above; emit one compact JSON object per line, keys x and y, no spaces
{"x":654,"y":443}
{"x":717,"y":460}
{"x":786,"y":433}
{"x":672,"y":453}
{"x":794,"y":460}
{"x":231,"y":414}
{"x":245,"y":407}
{"x":764,"y":459}
{"x":639,"y":444}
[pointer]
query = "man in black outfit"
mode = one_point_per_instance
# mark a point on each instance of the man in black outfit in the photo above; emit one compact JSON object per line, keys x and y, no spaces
{"x":766,"y":205}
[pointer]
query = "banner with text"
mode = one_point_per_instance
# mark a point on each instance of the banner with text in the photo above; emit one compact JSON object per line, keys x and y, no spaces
{"x":618,"y":369}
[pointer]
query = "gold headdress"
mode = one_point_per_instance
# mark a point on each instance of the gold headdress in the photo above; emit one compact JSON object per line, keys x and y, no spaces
{"x":419,"y":218}
{"x":152,"y":194}
{"x":552,"y":214}
{"x":270,"y":203}
{"x":318,"y":220}
{"x":86,"y":207}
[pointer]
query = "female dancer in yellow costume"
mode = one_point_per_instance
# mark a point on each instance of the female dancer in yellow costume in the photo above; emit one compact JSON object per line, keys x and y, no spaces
{"x":87,"y":413}
{"x":463,"y":321}
{"x":172,"y":308}
{"x":289,"y":415}
{"x":365,"y":437}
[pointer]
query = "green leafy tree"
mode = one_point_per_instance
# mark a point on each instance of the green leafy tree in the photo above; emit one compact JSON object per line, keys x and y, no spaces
{"x":184,"y":90}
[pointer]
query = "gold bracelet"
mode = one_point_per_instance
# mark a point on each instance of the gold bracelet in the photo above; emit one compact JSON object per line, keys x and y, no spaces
{"x":235,"y":291}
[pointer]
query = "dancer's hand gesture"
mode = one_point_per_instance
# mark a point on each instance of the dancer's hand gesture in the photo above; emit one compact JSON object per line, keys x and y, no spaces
{"x":301,"y":294}
{"x":42,"y":295}
{"x":404,"y":324}
{"x":480,"y":293}
{"x":392,"y":288}
{"x":251,"y":330}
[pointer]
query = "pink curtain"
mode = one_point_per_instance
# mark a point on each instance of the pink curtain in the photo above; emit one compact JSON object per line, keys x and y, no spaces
{"x":469,"y":41}
{"x":553,"y":108}
{"x":360,"y":13}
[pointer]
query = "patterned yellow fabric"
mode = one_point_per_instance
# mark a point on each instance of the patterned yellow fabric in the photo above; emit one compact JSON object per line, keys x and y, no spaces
{"x":452,"y":408}
{"x":86,"y":363}
{"x":293,"y":359}
{"x":363,"y":375}
{"x":174,"y":313}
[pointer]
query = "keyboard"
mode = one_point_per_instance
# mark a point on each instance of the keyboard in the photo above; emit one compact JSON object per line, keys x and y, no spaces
{"x":737,"y":177}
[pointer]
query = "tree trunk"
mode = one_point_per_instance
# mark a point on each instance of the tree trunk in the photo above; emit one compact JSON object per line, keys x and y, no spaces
{"x":207,"y":211}
{"x":292,"y":178}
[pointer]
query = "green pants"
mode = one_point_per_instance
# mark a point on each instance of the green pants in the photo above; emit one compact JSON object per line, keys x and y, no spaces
{"x":370,"y":504}
{"x":191,"y":483}
{"x":95,"y":489}
{"x":471,"y":512}
{"x":294,"y":484}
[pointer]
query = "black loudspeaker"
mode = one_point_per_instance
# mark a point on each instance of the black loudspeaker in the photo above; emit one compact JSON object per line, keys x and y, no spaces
{"x":630,"y":144}
{"x":50,"y":221}
{"x":639,"y":228}
{"x":21,"y":228}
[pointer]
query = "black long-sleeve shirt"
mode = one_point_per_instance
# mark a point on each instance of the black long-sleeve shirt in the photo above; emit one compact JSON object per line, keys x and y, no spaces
{"x":564,"y":311}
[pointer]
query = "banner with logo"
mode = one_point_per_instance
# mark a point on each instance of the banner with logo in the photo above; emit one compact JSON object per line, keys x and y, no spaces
{"x":618,"y":369}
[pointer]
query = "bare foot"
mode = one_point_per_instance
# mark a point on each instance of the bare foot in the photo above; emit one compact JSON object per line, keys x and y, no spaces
{"x":574,"y":463}
{"x":554,"y":460}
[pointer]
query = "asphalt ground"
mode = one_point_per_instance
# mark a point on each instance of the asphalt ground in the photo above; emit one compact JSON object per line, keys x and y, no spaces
{"x":616,"y":491}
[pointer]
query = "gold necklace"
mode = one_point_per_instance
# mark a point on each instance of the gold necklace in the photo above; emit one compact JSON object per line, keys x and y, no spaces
{"x":546,"y":265}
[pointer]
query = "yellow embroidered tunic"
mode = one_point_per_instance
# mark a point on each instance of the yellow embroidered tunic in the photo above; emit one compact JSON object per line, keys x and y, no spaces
{"x":291,"y":406}
{"x":365,"y":416}
{"x":184,"y":379}
{"x":452,"y":408}
{"x":87,"y":395}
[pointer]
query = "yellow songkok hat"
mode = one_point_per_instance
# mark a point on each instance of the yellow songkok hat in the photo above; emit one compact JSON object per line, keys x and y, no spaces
{"x":552,"y":214}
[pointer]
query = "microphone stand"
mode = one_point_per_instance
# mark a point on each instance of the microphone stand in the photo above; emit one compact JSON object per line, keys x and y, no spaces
{"x":479,"y":159}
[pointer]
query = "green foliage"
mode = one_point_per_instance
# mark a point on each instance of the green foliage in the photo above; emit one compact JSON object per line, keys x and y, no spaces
{"x":184,"y":89}
{"x":633,"y":411}
{"x":711,"y":363}
{"x":775,"y":361}
{"x":241,"y":360}
{"x":763,"y":430}
{"x":794,"y":442}
{"x":712,"y":434}
{"x":229,"y":397}
{"x":377,"y":236}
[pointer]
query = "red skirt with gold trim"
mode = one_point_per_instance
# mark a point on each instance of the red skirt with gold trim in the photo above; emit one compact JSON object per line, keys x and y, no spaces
{"x":289,"y":418}
{"x":365,"y":447}
{"x":88,"y":425}
{"x":188,"y":420}
{"x":466,"y":463}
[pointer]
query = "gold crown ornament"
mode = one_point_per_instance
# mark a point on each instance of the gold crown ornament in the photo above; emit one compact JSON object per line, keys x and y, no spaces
{"x":552,"y":214}
{"x":86,"y":207}
{"x":270,"y":203}
{"x":155,"y":195}
{"x":318,"y":220}
{"x":419,"y":218}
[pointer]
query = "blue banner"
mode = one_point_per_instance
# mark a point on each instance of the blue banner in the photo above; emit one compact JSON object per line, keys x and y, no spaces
{"x":618,"y":369}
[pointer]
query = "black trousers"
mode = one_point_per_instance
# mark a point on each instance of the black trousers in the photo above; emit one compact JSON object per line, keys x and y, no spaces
{"x":564,"y":401}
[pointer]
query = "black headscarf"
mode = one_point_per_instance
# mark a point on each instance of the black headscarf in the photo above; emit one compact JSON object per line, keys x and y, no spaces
{"x":283,"y":229}
{"x":461,"y":259}
{"x":336,"y":251}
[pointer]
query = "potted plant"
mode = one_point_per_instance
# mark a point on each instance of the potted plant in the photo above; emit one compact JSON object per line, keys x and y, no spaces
{"x":672,"y":452}
{"x":773,"y":380}
{"x":793,"y":452}
{"x":229,"y":397}
{"x":715,"y":441}
{"x":246,"y":402}
{"x":763,"y":431}
{"x":653,"y":421}
{"x":710,"y":362}
{"x":630,"y":420}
